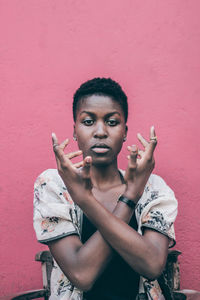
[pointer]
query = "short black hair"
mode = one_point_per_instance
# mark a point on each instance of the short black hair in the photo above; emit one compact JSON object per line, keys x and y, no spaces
{"x":101,"y":86}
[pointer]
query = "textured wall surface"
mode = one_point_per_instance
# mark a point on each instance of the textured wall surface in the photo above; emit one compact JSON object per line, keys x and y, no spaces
{"x":47,"y":49}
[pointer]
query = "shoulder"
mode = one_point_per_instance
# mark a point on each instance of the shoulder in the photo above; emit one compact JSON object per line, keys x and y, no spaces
{"x":157,"y":208}
{"x":55,"y":214}
{"x":48,"y":176}
{"x":157,"y":192}
{"x":157,"y":188}
{"x":157,"y":181}
{"x":50,"y":188}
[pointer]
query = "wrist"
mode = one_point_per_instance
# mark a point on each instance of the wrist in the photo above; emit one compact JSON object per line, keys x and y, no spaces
{"x":127,"y":201}
{"x":132,"y":196}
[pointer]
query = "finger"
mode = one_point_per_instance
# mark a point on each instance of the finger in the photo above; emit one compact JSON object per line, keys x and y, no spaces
{"x":153,"y":140}
{"x":58,"y":150}
{"x":78,"y":165}
{"x":73,"y":154}
{"x":142,"y":140}
{"x":152,"y":133}
{"x":55,"y":144}
{"x":152,"y":145}
{"x":64,"y":144}
{"x":54,"y":139}
{"x":133,"y":156}
{"x":140,"y":153}
{"x":86,"y":166}
{"x":87,"y":162}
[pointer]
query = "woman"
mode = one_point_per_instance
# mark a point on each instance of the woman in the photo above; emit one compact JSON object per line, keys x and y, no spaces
{"x":111,"y":241}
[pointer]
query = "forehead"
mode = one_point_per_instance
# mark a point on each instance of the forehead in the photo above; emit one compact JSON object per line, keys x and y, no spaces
{"x":99,"y":104}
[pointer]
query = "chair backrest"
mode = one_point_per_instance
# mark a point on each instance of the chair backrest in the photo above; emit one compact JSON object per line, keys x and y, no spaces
{"x":172,"y":270}
{"x":46,"y":260}
{"x":169,"y":280}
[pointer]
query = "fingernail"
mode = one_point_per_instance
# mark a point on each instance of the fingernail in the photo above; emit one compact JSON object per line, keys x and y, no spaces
{"x":88,"y":160}
{"x":134,"y":148}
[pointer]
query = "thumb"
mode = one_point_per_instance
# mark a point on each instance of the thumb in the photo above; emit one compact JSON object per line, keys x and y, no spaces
{"x":86,"y":171}
{"x":86,"y":166}
{"x":132,"y":163}
{"x":133,"y":157}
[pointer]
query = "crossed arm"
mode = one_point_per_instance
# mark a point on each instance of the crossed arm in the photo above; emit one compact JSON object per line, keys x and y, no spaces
{"x":83,"y":263}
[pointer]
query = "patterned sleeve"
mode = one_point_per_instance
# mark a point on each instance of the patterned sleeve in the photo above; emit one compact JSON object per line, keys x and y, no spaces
{"x":54,"y":215}
{"x":157,"y":208}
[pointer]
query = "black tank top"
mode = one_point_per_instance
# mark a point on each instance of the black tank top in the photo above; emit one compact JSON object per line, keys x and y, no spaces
{"x":118,"y":281}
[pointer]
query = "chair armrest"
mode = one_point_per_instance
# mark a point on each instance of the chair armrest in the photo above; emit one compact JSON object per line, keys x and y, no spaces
{"x":46,"y":260}
{"x":44,"y":256}
{"x":33,"y":294}
{"x":191,"y":294}
{"x":178,"y":295}
{"x":172,"y":270}
{"x":173,"y":255}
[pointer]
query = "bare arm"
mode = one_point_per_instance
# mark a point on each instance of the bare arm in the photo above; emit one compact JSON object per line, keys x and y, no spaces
{"x":83,"y":263}
{"x":145,"y":254}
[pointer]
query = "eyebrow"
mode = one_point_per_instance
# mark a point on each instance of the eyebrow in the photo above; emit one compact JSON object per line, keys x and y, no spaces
{"x":93,"y":114}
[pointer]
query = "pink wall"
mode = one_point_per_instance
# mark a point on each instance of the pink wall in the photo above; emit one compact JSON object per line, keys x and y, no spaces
{"x":47,"y":48}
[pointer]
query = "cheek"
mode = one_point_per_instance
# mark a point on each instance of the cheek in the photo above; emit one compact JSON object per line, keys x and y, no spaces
{"x":119,"y":146}
{"x":80,"y":134}
{"x":118,"y":142}
{"x":82,"y":140}
{"x":119,"y":136}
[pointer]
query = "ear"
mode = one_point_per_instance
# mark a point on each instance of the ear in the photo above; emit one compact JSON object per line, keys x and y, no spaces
{"x":74,"y":134}
{"x":126,"y":131}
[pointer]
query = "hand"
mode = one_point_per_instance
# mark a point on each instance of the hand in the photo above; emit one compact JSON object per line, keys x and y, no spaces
{"x":140,"y":165}
{"x":75,"y":176}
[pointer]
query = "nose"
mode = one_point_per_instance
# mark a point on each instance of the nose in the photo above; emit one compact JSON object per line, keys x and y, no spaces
{"x":100,"y":130}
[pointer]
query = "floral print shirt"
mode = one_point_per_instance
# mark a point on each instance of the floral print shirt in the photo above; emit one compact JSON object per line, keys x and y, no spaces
{"x":57,"y":216}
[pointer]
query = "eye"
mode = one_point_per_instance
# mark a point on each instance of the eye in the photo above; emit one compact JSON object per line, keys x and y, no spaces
{"x":112,"y":122}
{"x":88,"y":122}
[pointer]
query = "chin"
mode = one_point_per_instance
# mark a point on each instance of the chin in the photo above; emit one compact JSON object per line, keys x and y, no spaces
{"x":101,"y":162}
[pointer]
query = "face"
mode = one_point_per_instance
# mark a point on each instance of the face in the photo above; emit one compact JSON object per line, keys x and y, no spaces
{"x":100,"y":128}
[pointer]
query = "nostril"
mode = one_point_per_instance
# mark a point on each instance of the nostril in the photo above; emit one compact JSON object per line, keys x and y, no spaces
{"x":100,"y":131}
{"x":100,"y":135}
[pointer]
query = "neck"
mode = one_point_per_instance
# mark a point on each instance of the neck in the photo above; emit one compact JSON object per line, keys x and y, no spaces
{"x":106,"y":176}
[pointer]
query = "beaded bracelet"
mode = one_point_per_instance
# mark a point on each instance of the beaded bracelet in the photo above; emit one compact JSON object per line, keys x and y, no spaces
{"x":129,"y":202}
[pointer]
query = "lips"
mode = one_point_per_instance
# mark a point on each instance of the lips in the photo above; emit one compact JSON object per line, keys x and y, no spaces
{"x":100,"y":148}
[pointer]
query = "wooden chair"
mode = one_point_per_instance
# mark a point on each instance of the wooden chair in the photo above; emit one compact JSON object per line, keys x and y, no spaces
{"x":47,"y":264}
{"x":169,"y":280}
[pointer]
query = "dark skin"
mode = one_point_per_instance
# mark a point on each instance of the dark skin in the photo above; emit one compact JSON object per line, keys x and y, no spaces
{"x":100,"y":130}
